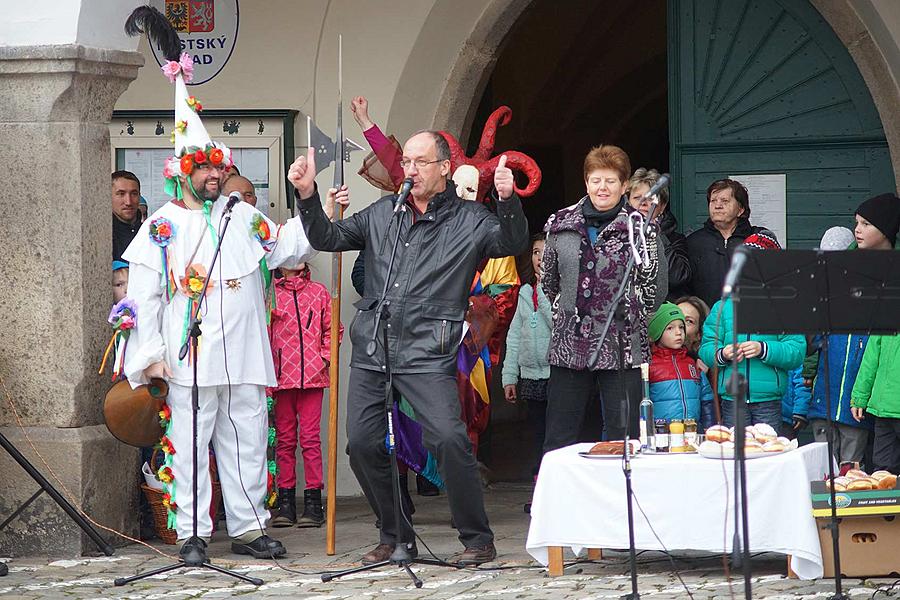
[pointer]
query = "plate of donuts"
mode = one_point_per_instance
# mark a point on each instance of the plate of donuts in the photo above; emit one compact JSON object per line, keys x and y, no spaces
{"x":760,"y":440}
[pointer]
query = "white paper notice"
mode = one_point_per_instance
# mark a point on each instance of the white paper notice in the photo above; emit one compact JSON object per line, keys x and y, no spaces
{"x":768,"y":201}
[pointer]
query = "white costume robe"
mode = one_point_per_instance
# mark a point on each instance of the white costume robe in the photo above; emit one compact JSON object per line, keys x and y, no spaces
{"x":234,"y":362}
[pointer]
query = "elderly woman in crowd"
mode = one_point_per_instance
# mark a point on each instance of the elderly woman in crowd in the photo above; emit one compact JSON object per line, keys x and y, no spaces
{"x":677,"y":265}
{"x":588,"y":247}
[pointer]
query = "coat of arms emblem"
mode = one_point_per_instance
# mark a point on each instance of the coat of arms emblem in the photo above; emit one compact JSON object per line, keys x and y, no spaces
{"x":191,"y":16}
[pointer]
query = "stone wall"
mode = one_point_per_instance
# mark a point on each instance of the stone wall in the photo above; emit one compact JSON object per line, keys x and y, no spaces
{"x":55,"y":104}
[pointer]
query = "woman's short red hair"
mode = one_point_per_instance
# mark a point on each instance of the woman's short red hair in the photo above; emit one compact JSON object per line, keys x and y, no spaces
{"x":607,"y":156}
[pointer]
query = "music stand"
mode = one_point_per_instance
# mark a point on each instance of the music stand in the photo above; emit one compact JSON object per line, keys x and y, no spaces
{"x":824,"y":293}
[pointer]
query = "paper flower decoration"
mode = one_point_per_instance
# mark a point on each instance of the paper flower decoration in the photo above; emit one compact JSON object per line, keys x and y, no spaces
{"x":187,"y":164}
{"x":216,"y":156}
{"x":259,"y":227}
{"x":165,"y":474}
{"x":185,"y":65}
{"x":161,"y":231}
{"x":169,"y":503}
{"x":165,"y":415}
{"x":194,"y":104}
{"x":193,"y":280}
{"x":122,"y":318}
{"x":165,"y":444}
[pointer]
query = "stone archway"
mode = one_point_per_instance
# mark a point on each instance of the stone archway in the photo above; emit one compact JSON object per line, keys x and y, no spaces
{"x":467,"y":41}
{"x":864,"y":48}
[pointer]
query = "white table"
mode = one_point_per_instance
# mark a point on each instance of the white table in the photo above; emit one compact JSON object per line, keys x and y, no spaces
{"x":580,"y":503}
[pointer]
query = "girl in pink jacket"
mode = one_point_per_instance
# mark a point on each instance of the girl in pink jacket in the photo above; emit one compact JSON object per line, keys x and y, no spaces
{"x":300,"y":331}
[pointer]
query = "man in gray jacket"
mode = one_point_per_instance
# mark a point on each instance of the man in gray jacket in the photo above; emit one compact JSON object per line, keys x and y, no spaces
{"x":442,"y":241}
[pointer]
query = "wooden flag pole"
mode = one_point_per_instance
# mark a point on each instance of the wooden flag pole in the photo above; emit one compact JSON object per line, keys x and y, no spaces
{"x":334,"y":367}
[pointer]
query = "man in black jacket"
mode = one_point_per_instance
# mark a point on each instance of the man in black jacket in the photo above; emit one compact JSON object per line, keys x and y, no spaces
{"x":711,"y":247}
{"x":126,"y":194}
{"x":442,"y":241}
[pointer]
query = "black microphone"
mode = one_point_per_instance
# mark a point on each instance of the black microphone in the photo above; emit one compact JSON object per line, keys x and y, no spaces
{"x":741,"y":253}
{"x":233,"y":198}
{"x":403,"y":195}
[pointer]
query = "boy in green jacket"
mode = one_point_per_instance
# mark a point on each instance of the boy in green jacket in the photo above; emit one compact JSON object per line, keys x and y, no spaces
{"x":877,"y":387}
{"x":877,"y":392}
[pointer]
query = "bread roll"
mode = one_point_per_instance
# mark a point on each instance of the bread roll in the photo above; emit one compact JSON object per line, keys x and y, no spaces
{"x":879,"y":475}
{"x":718,"y":433}
{"x":856,"y":474}
{"x":888,"y":482}
{"x":764,"y":432}
{"x":774,"y":446}
{"x":841,"y":480}
{"x":614,"y":448}
{"x":839,"y":487}
{"x":711,"y":447}
{"x":729,"y":445}
{"x":860,"y":484}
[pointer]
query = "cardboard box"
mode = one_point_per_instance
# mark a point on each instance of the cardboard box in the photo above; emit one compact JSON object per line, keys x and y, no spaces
{"x":862,"y":503}
{"x":869,"y":546}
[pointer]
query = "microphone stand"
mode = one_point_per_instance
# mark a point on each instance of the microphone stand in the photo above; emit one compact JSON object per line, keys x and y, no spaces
{"x":618,"y":313}
{"x":737,"y":386}
{"x":405,"y":533}
{"x":196,"y":557}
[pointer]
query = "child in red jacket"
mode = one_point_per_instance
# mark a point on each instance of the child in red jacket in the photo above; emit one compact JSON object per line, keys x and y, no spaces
{"x":301,"y":348}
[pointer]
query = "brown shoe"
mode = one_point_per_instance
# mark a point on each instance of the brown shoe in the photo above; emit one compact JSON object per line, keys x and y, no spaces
{"x":474,"y":556}
{"x":382,"y":553}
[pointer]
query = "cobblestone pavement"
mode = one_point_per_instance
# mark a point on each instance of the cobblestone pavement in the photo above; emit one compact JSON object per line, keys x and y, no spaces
{"x":518,"y":576}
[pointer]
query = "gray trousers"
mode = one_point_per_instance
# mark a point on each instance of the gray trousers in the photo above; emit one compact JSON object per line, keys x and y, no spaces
{"x":435,"y":399}
{"x":849,"y":442}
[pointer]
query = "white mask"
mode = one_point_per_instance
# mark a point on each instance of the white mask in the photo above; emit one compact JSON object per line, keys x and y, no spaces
{"x":466,"y":180}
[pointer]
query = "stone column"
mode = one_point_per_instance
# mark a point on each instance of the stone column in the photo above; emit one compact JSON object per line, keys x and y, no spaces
{"x":55,"y":232}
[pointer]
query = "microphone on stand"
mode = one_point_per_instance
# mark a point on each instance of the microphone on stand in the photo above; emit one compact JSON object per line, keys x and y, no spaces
{"x":402,"y":195}
{"x":660,"y":185}
{"x":738,"y":260}
{"x":233,"y":198}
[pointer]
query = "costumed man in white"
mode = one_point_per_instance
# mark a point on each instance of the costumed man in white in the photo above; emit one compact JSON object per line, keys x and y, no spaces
{"x":169,"y":259}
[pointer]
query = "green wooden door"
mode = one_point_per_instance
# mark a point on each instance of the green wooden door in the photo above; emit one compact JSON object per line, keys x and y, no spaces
{"x":765,"y":86}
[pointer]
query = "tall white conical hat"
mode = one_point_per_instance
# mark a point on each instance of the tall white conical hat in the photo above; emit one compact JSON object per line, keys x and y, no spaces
{"x":192,"y":142}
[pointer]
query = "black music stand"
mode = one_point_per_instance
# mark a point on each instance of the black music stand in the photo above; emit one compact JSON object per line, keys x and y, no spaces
{"x":817,"y":292}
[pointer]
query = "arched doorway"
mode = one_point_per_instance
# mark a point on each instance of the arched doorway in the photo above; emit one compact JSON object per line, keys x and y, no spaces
{"x":545,"y":60}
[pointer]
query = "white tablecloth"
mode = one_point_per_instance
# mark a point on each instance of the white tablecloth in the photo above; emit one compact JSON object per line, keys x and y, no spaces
{"x":580,"y":503}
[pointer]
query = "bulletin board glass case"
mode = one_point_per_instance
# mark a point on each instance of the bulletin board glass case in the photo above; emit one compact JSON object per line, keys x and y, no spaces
{"x":261,"y":142}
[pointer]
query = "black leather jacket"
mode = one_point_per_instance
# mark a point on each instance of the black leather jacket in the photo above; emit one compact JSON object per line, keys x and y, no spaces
{"x":436,"y":262}
{"x":675,"y":245}
{"x":710,"y":255}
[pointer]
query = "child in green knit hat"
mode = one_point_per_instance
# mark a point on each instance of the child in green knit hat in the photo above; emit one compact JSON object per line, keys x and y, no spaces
{"x":677,"y":385}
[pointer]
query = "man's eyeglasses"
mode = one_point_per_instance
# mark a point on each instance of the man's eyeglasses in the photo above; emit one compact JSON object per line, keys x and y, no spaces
{"x":420,"y":163}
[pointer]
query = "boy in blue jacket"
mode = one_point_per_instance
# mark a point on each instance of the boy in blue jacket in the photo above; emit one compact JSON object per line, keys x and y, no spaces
{"x":677,"y":386}
{"x":795,"y":405}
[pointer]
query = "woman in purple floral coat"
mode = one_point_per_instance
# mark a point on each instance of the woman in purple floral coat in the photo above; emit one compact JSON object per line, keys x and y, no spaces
{"x":585,"y":259}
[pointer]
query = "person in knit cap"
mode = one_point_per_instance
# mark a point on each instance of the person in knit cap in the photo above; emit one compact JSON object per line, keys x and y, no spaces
{"x":877,"y":222}
{"x":677,"y":386}
{"x":770,"y":357}
{"x":877,"y":387}
{"x":836,"y":238}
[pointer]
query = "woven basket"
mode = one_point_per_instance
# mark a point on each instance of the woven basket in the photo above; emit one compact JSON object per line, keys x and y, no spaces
{"x":160,"y":514}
